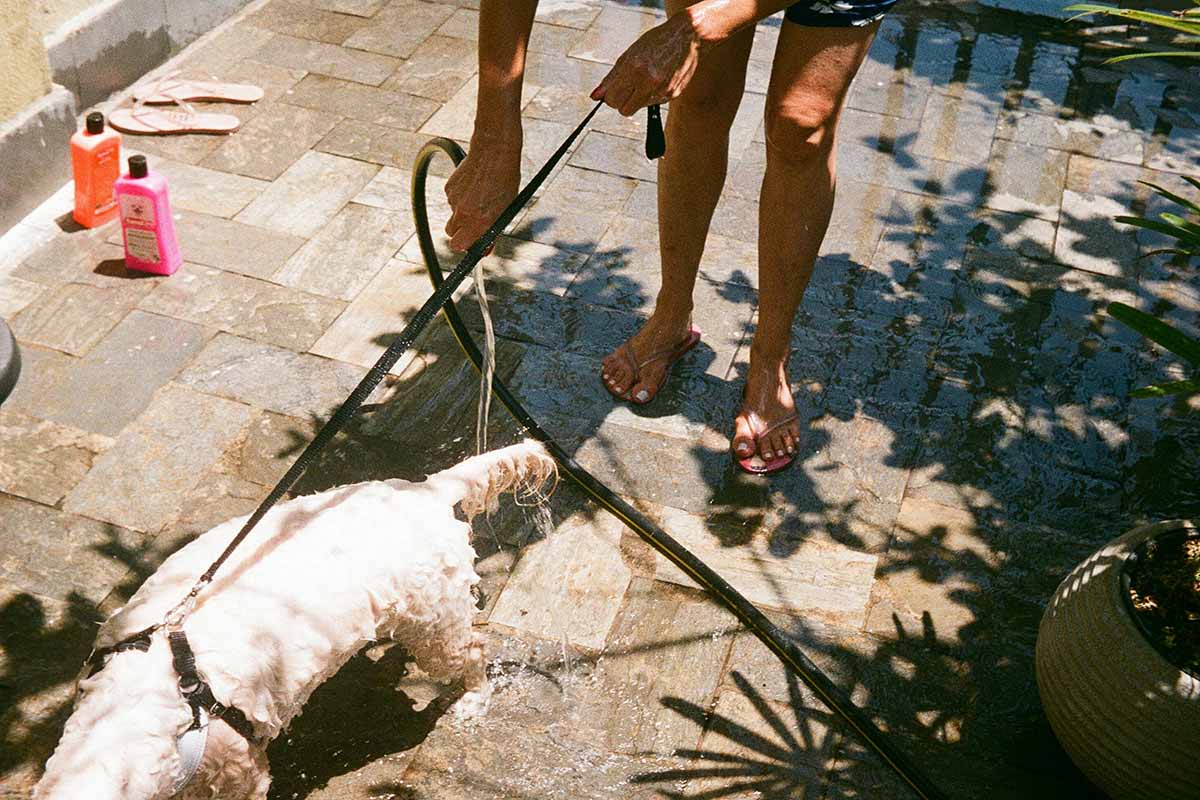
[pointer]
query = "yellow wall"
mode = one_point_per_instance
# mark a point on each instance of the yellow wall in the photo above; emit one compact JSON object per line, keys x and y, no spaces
{"x":23,"y":64}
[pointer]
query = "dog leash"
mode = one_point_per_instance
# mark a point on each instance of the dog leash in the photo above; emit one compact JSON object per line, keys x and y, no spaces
{"x":197,"y":692}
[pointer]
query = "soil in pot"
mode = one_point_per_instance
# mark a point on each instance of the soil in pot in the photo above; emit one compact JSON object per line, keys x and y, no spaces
{"x":1164,"y":591}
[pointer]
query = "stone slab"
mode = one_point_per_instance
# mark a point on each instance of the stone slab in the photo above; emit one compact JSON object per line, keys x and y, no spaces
{"x":308,"y":194}
{"x":42,"y":461}
{"x":121,"y":374}
{"x":304,"y":20}
{"x":270,"y":377}
{"x":399,"y":29}
{"x":349,"y":63}
{"x":72,"y":317}
{"x":568,"y":586}
{"x":343,"y":257}
{"x":379,"y":144}
{"x":234,"y":246}
{"x":244,"y":306}
{"x":436,"y":69}
{"x":159,"y":457}
{"x":831,"y":584}
{"x":207,"y":191}
{"x":955,"y":130}
{"x":278,"y":135}
{"x":555,"y":218}
{"x":59,"y":555}
{"x":381,"y":106}
{"x":1026,"y":179}
{"x":16,"y":293}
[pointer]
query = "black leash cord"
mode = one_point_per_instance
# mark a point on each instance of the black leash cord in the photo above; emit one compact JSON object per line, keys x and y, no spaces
{"x":766,"y":631}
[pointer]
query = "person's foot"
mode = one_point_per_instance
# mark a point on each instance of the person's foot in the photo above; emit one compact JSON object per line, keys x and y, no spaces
{"x":636,"y":370}
{"x":766,"y":424}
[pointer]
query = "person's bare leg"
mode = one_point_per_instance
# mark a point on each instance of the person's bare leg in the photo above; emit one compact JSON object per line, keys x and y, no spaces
{"x":690,"y":177}
{"x":810,"y":76}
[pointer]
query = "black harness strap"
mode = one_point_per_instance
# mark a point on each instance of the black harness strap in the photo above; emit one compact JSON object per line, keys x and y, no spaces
{"x":138,"y":641}
{"x":198,"y":693}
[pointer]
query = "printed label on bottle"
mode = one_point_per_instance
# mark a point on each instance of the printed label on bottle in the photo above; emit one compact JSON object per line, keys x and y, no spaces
{"x":107,"y":172}
{"x":142,"y":245}
{"x":137,"y":210}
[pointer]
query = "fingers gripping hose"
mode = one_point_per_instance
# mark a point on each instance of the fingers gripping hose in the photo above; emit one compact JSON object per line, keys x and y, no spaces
{"x":754,"y":620}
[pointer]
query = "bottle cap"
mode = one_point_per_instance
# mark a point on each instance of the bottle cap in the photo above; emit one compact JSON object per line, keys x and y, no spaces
{"x":95,"y":122}
{"x":137,"y":167}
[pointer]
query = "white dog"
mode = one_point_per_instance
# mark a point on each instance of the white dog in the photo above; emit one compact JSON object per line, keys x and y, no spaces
{"x":317,"y":579}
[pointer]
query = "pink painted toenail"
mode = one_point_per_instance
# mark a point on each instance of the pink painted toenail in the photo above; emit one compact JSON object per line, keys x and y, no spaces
{"x":768,"y":454}
{"x":743,"y":447}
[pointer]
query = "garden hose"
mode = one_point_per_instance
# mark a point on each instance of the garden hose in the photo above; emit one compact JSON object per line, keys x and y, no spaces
{"x":750,"y":616}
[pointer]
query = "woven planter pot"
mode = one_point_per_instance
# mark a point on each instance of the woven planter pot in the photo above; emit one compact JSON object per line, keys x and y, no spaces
{"x":10,"y":362}
{"x":1129,"y":719}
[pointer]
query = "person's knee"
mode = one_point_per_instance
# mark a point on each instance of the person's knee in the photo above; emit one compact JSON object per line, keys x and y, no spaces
{"x":801,"y":132}
{"x":712,"y":107}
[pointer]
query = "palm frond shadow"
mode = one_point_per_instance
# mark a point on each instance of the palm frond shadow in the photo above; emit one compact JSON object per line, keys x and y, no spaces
{"x":787,"y":764}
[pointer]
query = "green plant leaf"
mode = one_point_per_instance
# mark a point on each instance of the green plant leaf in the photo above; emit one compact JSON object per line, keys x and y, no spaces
{"x":1165,"y":389}
{"x":1171,"y":53}
{"x":1158,"y":332}
{"x":1171,"y":251}
{"x":1181,"y":223}
{"x":1158,"y":227}
{"x":1174,"y":198}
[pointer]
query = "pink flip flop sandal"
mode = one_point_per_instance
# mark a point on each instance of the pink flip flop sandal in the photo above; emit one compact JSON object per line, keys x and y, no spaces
{"x":669,"y":354}
{"x":173,"y":89}
{"x":160,"y":122}
{"x":754,"y":464}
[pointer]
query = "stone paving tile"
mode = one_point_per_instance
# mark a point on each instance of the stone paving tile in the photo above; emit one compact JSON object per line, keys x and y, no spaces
{"x":42,"y":461}
{"x":359,"y":8}
{"x":1026,"y":179}
{"x":303,"y":20}
{"x":59,"y":555}
{"x":544,"y":69}
{"x":272,"y":141}
{"x":379,"y":144}
{"x":582,"y":564}
{"x":614,"y":155}
{"x":181,"y":434}
{"x":72,"y":317}
{"x":308,"y":195}
{"x":16,"y":293}
{"x":877,"y":89}
{"x":611,"y":32}
{"x":456,"y":118}
{"x":543,"y":38}
{"x":343,"y":257}
{"x":398,"y":29}
{"x":349,"y":63}
{"x":90,"y":262}
{"x":208,"y":191}
{"x":954,"y":130}
{"x":437,"y":69}
{"x":958,"y":182}
{"x":666,"y":644}
{"x":568,"y":105}
{"x":217,"y":498}
{"x":265,"y":376}
{"x":271,"y":442}
{"x":121,"y":374}
{"x":222,"y":47}
{"x":244,"y":306}
{"x":367,"y":103}
{"x":377,"y":316}
{"x":569,"y":13}
{"x":390,"y":189}
{"x":538,"y":704}
{"x":1096,"y":191}
{"x":555,"y":217}
{"x":831,"y":584}
{"x":1072,"y":135}
{"x":233,"y":246}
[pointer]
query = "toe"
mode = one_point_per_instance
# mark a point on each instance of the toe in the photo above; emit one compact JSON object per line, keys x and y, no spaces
{"x":641,"y":392}
{"x":743,"y":437}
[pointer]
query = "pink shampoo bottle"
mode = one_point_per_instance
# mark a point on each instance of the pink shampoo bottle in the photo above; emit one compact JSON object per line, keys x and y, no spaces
{"x":146,"y":223}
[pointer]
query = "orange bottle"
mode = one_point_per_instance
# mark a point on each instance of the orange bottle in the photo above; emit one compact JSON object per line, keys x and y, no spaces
{"x":96,"y":164}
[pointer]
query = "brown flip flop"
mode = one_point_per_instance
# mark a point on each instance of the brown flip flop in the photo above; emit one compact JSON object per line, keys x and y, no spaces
{"x":668,"y":354}
{"x":754,"y":464}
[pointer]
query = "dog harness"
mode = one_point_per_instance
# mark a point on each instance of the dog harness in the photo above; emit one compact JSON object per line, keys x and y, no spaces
{"x":195,"y":690}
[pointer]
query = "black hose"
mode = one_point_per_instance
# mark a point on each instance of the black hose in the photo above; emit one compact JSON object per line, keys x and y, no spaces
{"x":758,"y":624}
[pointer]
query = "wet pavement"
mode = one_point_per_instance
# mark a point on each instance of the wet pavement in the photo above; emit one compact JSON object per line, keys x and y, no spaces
{"x":968,"y":434}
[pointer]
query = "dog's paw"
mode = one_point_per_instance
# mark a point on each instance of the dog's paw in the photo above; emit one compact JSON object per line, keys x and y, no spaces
{"x":473,"y":705}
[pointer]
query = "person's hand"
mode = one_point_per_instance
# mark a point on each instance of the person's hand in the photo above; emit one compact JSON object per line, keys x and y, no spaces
{"x":656,"y":68}
{"x":483,"y":185}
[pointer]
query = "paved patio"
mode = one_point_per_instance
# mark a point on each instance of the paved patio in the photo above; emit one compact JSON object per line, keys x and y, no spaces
{"x":968,"y":433}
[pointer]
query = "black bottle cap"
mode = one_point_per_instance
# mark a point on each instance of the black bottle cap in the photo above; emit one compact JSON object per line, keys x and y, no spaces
{"x":95,"y":122}
{"x":137,"y":167}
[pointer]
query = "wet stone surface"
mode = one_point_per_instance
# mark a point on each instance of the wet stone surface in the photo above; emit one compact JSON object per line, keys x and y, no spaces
{"x":967,"y":430}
